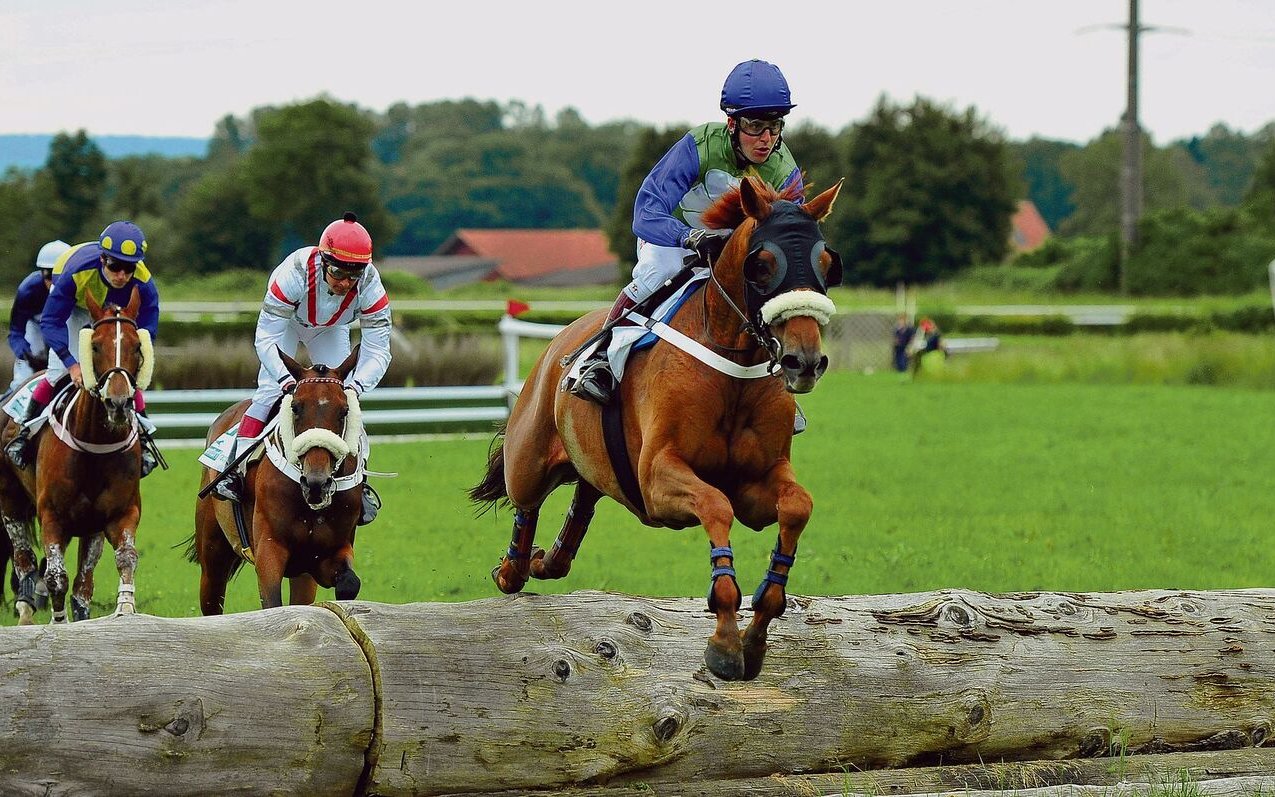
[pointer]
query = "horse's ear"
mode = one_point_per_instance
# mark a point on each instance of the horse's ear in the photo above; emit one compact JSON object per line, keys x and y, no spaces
{"x":343,"y":370}
{"x":821,"y":206}
{"x":134,"y":303}
{"x":91,"y":303}
{"x":292,"y":365}
{"x":752,"y":200}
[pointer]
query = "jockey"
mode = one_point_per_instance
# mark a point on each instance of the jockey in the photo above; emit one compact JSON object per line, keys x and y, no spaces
{"x":699,"y":168}
{"x":25,"y":338}
{"x":313,"y":297}
{"x":109,"y":268}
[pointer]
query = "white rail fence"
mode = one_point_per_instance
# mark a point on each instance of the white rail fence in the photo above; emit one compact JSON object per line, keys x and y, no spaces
{"x":188,"y":410}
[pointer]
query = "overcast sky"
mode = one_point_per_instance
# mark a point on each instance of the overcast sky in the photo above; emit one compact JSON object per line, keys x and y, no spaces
{"x":1053,"y":68}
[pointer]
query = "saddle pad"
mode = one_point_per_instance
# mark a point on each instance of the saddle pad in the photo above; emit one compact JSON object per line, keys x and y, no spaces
{"x":216,"y":455}
{"x":16,"y":405}
{"x":626,"y":340}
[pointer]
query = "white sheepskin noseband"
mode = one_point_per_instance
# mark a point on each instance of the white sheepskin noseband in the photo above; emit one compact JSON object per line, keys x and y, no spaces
{"x":295,"y":445}
{"x":798,"y":303}
{"x":144,"y":371}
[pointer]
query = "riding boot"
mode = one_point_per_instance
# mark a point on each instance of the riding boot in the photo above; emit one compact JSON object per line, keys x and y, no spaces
{"x":229,"y":485}
{"x":371,"y":504}
{"x":19,"y":447}
{"x":596,"y":381}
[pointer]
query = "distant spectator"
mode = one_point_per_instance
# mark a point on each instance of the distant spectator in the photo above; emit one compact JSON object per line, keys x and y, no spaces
{"x":929,"y":338}
{"x":904,"y":331}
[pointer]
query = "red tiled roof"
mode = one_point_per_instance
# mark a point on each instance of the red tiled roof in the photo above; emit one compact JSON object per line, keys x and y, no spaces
{"x":1028,"y":229}
{"x":527,"y":254}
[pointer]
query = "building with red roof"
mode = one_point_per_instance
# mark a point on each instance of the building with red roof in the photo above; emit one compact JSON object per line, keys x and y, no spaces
{"x":1028,"y":229}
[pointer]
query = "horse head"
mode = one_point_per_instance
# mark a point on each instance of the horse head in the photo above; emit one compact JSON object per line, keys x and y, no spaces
{"x":319,"y":425}
{"x":116,"y":357}
{"x":778,"y":263}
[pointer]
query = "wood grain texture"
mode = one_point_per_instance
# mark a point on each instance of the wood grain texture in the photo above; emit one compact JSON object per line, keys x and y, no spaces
{"x":597,"y":694}
{"x":258,"y":703}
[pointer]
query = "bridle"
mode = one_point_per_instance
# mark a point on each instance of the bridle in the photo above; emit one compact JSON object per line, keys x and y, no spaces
{"x":756,"y":328}
{"x":117,"y":368}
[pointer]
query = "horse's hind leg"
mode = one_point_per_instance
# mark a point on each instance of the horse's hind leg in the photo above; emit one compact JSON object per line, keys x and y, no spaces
{"x":217,"y":560}
{"x":24,"y":568}
{"x":82,"y":590}
{"x":794,"y":506}
{"x":512,"y":572}
{"x":557,"y":562}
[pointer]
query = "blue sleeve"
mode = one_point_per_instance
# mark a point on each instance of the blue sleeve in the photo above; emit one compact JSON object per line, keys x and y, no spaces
{"x":27,"y":304}
{"x":148,"y":314}
{"x":663,"y":188}
{"x":56,"y":312}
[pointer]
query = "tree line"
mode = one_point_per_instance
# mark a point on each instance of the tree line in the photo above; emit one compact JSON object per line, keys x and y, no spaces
{"x":928,"y":194}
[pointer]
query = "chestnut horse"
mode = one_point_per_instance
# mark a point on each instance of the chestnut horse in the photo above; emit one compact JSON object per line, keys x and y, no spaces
{"x":301,"y":500}
{"x":706,"y":446}
{"x":84,"y":482}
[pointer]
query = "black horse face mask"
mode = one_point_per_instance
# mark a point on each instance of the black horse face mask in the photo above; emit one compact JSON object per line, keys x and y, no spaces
{"x":795,"y":245}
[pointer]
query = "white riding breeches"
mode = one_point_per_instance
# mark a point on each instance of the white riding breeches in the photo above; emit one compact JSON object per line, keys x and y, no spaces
{"x":655,"y":265}
{"x":326,"y":346}
{"x":79,"y":319}
{"x":22,"y":369}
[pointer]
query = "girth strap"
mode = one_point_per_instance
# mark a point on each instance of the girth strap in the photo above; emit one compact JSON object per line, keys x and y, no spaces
{"x":618,"y":451}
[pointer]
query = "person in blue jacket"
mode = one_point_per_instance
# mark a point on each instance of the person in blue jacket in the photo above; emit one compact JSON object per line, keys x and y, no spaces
{"x":703,"y":165}
{"x":25,"y":339}
{"x":110,"y":268}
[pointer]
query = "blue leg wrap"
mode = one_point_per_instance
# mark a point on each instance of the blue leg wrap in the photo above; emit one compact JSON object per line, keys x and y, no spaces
{"x":524,"y":526}
{"x":776,"y":558}
{"x":726,"y":570}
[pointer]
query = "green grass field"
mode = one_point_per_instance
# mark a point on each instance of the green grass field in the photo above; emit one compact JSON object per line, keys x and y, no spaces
{"x":917,"y":486}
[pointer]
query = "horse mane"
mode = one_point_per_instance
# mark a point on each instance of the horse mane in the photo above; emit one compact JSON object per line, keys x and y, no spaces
{"x":728,"y":212}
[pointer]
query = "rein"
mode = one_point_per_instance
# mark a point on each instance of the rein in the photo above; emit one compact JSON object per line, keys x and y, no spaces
{"x":62,"y":425}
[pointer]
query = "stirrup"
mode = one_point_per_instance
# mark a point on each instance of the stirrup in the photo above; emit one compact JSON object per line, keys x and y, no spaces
{"x":596,"y":382}
{"x":371,"y":505}
{"x":798,"y":421}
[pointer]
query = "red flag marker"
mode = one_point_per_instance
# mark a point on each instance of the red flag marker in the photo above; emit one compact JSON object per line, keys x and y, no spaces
{"x":516,"y":308}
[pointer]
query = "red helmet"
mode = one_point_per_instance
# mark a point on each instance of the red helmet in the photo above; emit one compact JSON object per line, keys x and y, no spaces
{"x":347,"y":240}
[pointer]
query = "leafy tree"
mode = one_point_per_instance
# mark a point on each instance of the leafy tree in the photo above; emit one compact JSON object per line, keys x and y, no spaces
{"x":1046,"y":187}
{"x":1094,"y":171}
{"x":19,"y":242}
{"x":818,"y":153}
{"x":1227,"y":161}
{"x":76,"y":179}
{"x":650,"y":146}
{"x":928,"y":192}
{"x":217,"y":231}
{"x":310,"y":163}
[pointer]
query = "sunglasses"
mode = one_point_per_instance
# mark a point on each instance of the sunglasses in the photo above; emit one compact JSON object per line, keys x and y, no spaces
{"x":755,"y":127}
{"x":334,"y":269}
{"x":118,"y":266}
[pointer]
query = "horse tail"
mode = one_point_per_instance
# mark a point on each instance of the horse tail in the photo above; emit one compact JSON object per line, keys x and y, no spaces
{"x":192,"y":555}
{"x":491,"y":490}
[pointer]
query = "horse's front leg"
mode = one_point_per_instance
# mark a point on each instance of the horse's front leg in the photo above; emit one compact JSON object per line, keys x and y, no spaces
{"x":676,"y":494}
{"x":557,"y":563}
{"x":90,"y":554}
{"x":779,"y":495}
{"x":302,"y":590}
{"x":272,"y":560}
{"x":123,"y":537}
{"x":24,"y":568}
{"x":514,"y":568}
{"x":55,"y":576}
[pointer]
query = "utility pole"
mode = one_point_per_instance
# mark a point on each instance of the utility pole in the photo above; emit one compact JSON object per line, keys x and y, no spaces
{"x":1131,"y":165}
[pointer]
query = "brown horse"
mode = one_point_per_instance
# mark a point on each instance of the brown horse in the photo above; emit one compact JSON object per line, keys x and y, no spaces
{"x":707,"y":446}
{"x":301,"y":500}
{"x":84,"y":482}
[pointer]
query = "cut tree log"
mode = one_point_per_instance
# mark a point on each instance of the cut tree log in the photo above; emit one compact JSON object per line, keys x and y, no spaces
{"x":597,"y":693}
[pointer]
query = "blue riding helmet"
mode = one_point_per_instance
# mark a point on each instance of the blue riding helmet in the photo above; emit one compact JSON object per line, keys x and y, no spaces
{"x":756,"y":87}
{"x":123,"y":240}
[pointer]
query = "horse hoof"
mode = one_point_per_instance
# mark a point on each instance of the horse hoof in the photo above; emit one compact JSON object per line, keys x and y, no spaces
{"x":26,"y":614}
{"x":754,"y":655}
{"x":538,"y":563}
{"x":124,"y":608}
{"x":79,"y":613}
{"x":502,"y":585}
{"x":727,"y":666}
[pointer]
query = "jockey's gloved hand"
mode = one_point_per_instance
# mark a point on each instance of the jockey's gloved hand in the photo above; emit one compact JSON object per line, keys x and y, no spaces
{"x":355,"y":385}
{"x":288,"y":386}
{"x":23,"y":352}
{"x":706,"y":244}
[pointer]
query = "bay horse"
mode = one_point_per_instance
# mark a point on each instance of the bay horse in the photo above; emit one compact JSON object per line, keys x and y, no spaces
{"x":85,"y":479}
{"x":707,"y":447}
{"x":301,"y":501}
